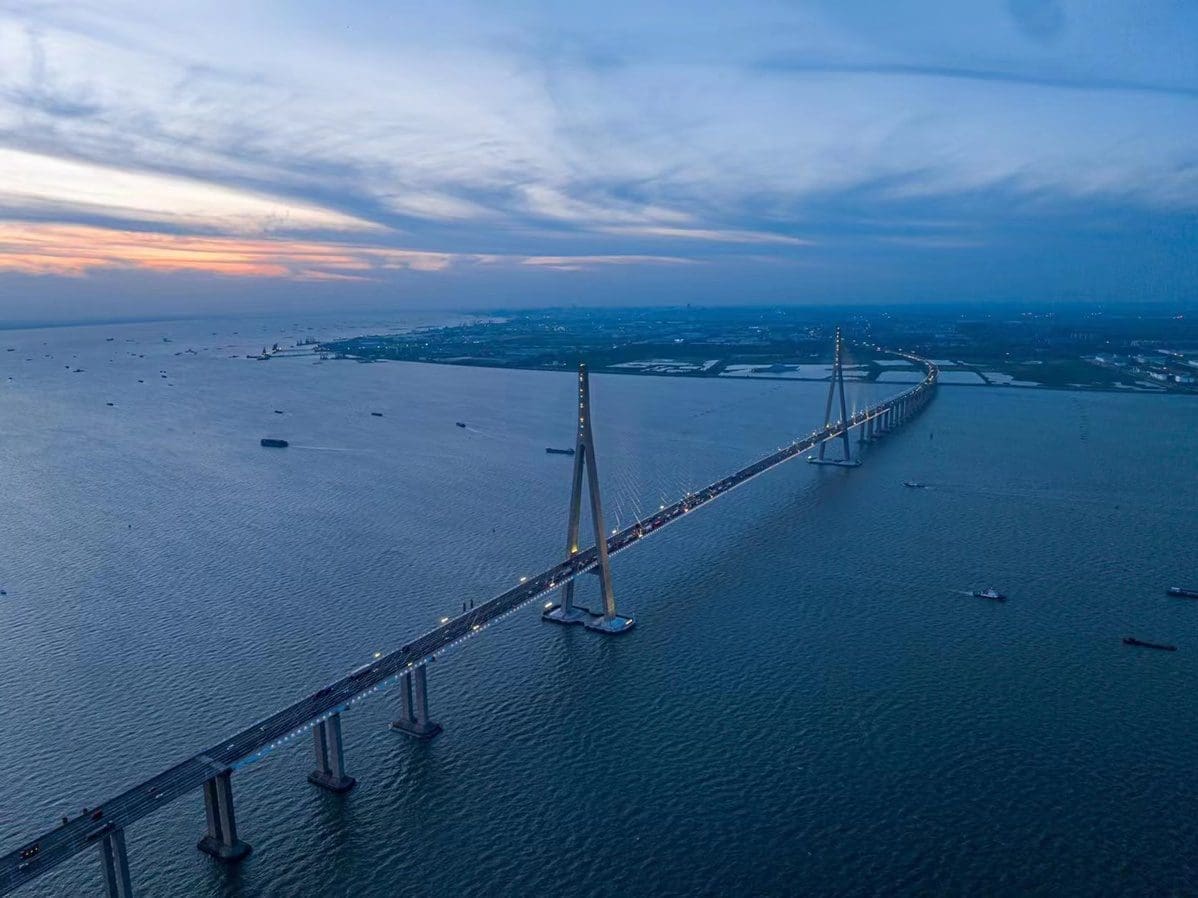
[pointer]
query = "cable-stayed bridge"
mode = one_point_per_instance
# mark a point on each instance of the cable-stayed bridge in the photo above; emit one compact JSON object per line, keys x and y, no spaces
{"x":211,"y":770}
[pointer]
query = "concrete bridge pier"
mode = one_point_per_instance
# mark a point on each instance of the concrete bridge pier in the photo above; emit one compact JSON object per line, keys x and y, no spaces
{"x":330,"y":758}
{"x":413,"y":706}
{"x":221,"y":839}
{"x":115,"y":861}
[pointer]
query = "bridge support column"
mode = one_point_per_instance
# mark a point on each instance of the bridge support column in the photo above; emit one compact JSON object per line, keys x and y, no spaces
{"x":566,"y":612}
{"x":115,"y":862}
{"x":837,"y":381}
{"x":221,"y":839}
{"x":330,"y":759}
{"x":413,"y":706}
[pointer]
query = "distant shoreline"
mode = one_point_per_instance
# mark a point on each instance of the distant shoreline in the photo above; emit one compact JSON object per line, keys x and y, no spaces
{"x":1085,"y":353}
{"x":1056,"y":388}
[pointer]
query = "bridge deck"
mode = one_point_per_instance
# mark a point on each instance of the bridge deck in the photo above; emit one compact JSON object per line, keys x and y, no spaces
{"x":261,"y":737}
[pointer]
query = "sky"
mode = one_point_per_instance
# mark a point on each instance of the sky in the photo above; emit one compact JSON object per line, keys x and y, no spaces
{"x":170,"y":158}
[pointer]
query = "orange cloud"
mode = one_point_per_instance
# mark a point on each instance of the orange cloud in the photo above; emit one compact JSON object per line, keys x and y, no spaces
{"x":75,"y":250}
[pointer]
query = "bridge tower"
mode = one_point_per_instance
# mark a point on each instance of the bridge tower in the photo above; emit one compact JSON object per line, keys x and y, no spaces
{"x":836,"y":385}
{"x":566,"y":612}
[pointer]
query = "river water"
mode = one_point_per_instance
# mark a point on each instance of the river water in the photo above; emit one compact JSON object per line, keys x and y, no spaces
{"x":811,"y":702}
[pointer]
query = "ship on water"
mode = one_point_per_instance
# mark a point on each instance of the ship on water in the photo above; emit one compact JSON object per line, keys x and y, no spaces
{"x":1184,"y":593}
{"x":1164,"y":647}
{"x":553,"y":451}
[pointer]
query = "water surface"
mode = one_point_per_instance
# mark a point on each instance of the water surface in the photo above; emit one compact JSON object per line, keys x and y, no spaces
{"x":811,"y":703}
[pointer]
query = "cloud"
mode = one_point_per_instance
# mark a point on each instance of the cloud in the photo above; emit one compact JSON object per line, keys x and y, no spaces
{"x":434,"y":206}
{"x":726,"y":235}
{"x":33,"y":183}
{"x":578,"y":263}
{"x":545,"y":201}
{"x":77,"y":250}
{"x":792,"y":131}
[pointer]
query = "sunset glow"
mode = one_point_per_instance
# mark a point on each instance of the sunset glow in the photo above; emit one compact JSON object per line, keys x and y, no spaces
{"x":75,"y":250}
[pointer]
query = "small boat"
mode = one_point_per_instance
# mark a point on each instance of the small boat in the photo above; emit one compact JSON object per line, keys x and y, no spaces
{"x":553,"y":451}
{"x":460,"y":423}
{"x":270,"y":443}
{"x":990,"y":593}
{"x":1184,"y":593}
{"x":377,"y":414}
{"x":915,"y":484}
{"x":1131,"y":640}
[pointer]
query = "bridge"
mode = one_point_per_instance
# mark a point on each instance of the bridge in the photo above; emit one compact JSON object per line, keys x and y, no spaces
{"x":211,"y":770}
